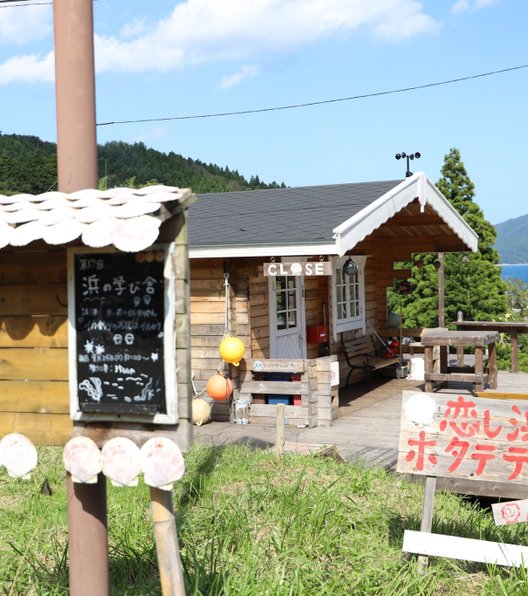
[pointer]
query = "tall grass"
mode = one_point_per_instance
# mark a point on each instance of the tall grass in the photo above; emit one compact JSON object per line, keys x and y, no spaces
{"x":251,"y":523}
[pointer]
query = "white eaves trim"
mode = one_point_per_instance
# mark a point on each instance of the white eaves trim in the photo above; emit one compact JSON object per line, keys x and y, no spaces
{"x":359,"y":226}
{"x":288,"y":250}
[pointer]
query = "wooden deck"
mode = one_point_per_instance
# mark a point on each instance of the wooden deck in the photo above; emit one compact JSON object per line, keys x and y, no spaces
{"x":367,"y":428}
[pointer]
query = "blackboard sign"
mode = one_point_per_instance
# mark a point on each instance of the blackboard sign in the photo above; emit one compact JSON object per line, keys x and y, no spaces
{"x":119,"y":320}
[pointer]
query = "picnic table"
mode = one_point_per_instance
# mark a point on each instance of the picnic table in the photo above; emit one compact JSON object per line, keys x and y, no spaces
{"x":512,"y":328}
{"x":477,"y":374}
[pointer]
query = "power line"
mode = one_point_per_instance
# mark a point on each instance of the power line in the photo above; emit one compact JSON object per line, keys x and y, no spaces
{"x":17,"y":3}
{"x":317,"y":103}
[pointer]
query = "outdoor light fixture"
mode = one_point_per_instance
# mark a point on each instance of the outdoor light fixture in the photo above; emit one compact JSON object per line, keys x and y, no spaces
{"x":408,"y":157}
{"x":350,"y":268}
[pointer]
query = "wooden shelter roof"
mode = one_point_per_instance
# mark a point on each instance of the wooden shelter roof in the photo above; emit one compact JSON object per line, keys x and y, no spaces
{"x":324,"y":219}
{"x":126,"y":218}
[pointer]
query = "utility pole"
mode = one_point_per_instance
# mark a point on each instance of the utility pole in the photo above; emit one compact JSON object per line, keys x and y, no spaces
{"x":77,"y":169}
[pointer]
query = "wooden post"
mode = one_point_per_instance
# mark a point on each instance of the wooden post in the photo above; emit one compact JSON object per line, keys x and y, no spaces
{"x":167,"y":547}
{"x":77,"y":169}
{"x":514,"y":351}
{"x":427,"y":515}
{"x":279,"y":441}
{"x":460,"y":349}
{"x":441,"y":289}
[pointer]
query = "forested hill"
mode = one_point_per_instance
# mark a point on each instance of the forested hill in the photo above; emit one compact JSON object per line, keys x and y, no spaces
{"x":512,"y":240}
{"x":28,"y":165}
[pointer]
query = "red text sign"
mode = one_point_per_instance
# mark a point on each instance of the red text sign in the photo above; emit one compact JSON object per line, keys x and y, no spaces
{"x":461,"y":436}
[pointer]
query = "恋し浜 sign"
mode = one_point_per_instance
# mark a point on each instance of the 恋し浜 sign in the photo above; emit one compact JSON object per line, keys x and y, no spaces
{"x":121,"y":346}
{"x":460,"y":436}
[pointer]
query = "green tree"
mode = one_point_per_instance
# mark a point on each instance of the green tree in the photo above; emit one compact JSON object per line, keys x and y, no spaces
{"x":517,"y":295}
{"x":473,"y":282}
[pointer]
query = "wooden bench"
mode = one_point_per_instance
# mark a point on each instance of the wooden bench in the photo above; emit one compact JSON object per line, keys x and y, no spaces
{"x":361,"y":354}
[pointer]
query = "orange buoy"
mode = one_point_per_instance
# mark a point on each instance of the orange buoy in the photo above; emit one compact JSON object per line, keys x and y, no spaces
{"x":219,"y":387}
{"x":232,"y":350}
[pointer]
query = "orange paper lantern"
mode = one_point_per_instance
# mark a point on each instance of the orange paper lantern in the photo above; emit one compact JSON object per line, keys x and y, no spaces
{"x":219,"y":387}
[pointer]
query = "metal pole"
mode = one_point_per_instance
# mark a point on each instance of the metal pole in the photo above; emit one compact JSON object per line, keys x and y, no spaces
{"x":75,"y":95}
{"x":87,"y":538}
{"x":77,"y":169}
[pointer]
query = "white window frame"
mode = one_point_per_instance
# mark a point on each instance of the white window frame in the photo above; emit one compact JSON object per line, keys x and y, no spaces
{"x":355,"y":322}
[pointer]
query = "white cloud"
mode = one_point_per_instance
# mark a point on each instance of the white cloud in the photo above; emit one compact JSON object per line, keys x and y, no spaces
{"x":202,"y":31}
{"x":472,"y":5}
{"x":136,"y":27}
{"x":207,"y":31}
{"x":24,"y":24}
{"x":250,"y":70}
{"x":28,"y":69}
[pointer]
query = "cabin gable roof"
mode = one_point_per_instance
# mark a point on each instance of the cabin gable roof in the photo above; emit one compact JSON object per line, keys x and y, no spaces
{"x":312,"y":220}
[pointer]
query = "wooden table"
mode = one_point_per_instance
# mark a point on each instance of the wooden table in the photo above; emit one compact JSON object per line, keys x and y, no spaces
{"x":512,"y":328}
{"x":444,"y":338}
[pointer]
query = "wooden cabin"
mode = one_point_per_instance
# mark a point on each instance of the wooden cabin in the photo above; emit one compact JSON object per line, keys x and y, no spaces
{"x":265,"y":246}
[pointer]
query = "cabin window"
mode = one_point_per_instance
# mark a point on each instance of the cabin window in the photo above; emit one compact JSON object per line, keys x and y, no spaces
{"x":348,"y":299}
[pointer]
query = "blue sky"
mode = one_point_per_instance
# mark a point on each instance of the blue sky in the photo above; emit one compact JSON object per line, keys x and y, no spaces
{"x":168,"y":59}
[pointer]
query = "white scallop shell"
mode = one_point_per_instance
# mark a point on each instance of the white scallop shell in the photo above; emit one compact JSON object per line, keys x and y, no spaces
{"x":18,"y":455}
{"x":82,"y":459}
{"x":121,"y":461}
{"x":161,"y":462}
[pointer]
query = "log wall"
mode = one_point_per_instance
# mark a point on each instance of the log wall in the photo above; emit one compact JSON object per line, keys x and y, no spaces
{"x":34,"y":396}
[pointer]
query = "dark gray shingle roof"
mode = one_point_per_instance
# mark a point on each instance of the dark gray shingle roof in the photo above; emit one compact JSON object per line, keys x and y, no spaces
{"x":301,"y":215}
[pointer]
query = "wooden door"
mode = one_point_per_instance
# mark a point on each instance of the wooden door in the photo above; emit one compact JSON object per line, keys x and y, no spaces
{"x":287,"y":317}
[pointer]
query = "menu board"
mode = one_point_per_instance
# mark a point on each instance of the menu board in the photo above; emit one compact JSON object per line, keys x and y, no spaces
{"x":119,"y":316}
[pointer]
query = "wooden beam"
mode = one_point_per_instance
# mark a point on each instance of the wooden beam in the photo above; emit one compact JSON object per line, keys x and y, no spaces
{"x":467,"y":549}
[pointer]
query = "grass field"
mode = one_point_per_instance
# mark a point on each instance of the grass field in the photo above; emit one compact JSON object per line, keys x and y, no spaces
{"x":250,"y":523}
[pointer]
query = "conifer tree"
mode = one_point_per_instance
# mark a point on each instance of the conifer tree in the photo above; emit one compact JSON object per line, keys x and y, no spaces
{"x":473,"y":282}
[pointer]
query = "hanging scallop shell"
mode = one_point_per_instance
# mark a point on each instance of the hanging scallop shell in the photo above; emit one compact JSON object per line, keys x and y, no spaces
{"x":121,"y":461}
{"x":27,"y":233}
{"x":161,"y":462}
{"x":136,"y":234}
{"x":6,"y":233}
{"x":97,"y":210}
{"x":18,"y":455}
{"x":100,"y":233}
{"x":135,"y":208}
{"x":82,"y":459}
{"x":23,"y":214}
{"x":63,"y":232}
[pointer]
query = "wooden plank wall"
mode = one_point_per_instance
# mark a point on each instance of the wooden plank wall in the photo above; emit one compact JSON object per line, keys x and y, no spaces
{"x":249,"y":316}
{"x":34,"y":346}
{"x":208,"y":314}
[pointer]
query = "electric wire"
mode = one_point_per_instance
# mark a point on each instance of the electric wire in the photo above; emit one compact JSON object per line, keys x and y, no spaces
{"x":317,"y":103}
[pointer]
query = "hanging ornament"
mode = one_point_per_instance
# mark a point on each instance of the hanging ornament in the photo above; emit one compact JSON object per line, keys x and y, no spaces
{"x":219,"y":387}
{"x":232,"y":350}
{"x":201,"y":411}
{"x":350,"y":268}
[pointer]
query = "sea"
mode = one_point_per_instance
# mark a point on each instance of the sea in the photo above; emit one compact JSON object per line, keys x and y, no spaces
{"x":517,"y":271}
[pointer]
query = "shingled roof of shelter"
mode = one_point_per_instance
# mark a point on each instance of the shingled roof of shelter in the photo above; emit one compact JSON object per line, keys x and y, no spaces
{"x":126,"y":218}
{"x":306,"y":214}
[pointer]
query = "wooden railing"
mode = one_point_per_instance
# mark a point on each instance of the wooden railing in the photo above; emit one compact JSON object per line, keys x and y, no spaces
{"x":509,"y":327}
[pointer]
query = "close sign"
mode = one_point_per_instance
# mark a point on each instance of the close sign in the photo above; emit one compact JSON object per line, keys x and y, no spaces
{"x":308,"y":268}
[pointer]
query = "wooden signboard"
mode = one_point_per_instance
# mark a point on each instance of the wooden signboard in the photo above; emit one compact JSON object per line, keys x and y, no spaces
{"x":461,"y":436}
{"x":309,"y":268}
{"x":121,"y":336}
{"x":510,"y":512}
